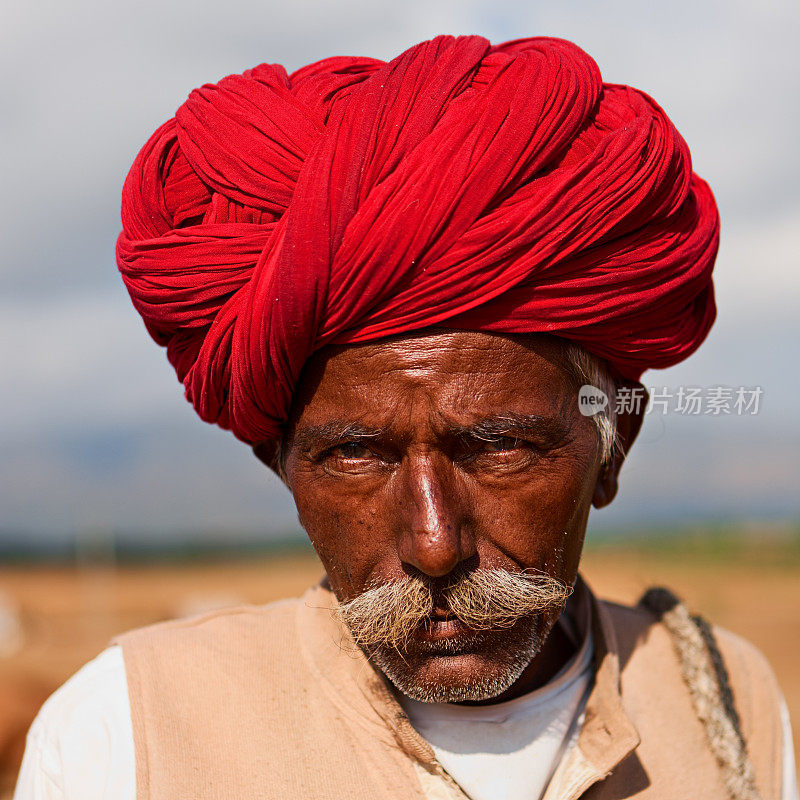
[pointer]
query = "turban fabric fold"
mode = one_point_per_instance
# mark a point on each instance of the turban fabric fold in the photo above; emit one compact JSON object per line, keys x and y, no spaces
{"x":500,"y":188}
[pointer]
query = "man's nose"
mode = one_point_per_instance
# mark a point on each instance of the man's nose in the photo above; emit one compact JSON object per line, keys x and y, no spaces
{"x":434,"y":530}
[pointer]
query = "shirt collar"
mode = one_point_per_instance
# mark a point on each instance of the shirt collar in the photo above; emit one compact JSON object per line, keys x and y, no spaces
{"x":607,"y":735}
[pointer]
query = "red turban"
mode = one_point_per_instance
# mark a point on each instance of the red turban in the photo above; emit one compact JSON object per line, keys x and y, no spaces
{"x":482,"y":187}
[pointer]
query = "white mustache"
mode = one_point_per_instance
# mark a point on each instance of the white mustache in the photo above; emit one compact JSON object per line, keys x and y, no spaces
{"x":483,"y":599}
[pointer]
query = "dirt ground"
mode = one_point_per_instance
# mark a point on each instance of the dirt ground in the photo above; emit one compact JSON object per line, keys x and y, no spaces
{"x":67,"y":615}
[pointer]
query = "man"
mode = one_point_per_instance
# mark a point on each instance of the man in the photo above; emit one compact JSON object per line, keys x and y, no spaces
{"x":392,"y":280}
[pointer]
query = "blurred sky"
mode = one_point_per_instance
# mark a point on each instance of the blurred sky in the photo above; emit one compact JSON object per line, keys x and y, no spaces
{"x":95,"y":431}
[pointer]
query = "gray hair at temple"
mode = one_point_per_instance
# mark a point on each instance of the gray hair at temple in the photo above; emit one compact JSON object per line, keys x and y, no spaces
{"x":589,"y":369}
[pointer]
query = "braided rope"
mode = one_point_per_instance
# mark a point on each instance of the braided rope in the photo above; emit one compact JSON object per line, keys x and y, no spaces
{"x":707,"y":679}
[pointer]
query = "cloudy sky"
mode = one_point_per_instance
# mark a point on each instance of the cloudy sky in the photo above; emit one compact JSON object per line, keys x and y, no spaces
{"x":95,"y":431}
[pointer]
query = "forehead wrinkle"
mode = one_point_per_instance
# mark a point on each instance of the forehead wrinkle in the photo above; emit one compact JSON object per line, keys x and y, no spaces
{"x":425,"y":358}
{"x":404,"y":397}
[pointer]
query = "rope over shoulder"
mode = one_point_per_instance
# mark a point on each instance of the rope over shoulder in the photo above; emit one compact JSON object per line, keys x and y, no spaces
{"x":706,"y":677}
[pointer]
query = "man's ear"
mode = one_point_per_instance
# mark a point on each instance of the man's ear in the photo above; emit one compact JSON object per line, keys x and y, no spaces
{"x":269,"y":452}
{"x":632,"y":399}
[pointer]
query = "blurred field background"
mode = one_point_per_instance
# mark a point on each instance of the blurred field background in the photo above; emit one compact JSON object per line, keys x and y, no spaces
{"x":56,"y":616}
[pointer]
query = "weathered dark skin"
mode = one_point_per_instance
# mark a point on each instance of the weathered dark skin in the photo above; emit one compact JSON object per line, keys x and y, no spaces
{"x":427,"y":492}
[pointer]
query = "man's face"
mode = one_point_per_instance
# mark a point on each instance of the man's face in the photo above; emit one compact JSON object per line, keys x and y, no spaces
{"x":435,"y":456}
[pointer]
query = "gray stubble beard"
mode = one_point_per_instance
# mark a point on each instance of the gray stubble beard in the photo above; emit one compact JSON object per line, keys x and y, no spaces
{"x":477,"y":687}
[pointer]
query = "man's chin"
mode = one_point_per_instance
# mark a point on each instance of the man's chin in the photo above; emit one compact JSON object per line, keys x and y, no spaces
{"x":453,"y":664}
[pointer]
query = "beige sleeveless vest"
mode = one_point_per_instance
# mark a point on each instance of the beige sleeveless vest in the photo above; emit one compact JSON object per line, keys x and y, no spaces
{"x":275,"y":701}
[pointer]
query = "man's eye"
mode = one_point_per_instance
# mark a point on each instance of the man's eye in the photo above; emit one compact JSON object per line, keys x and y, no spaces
{"x":350,"y":450}
{"x":502,"y":444}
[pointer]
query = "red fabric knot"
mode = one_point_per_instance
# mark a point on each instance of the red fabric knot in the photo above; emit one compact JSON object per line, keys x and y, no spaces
{"x":499,"y":188}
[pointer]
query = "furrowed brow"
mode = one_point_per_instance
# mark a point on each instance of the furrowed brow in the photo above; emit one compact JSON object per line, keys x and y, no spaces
{"x":511,"y":423}
{"x":332,"y":433}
